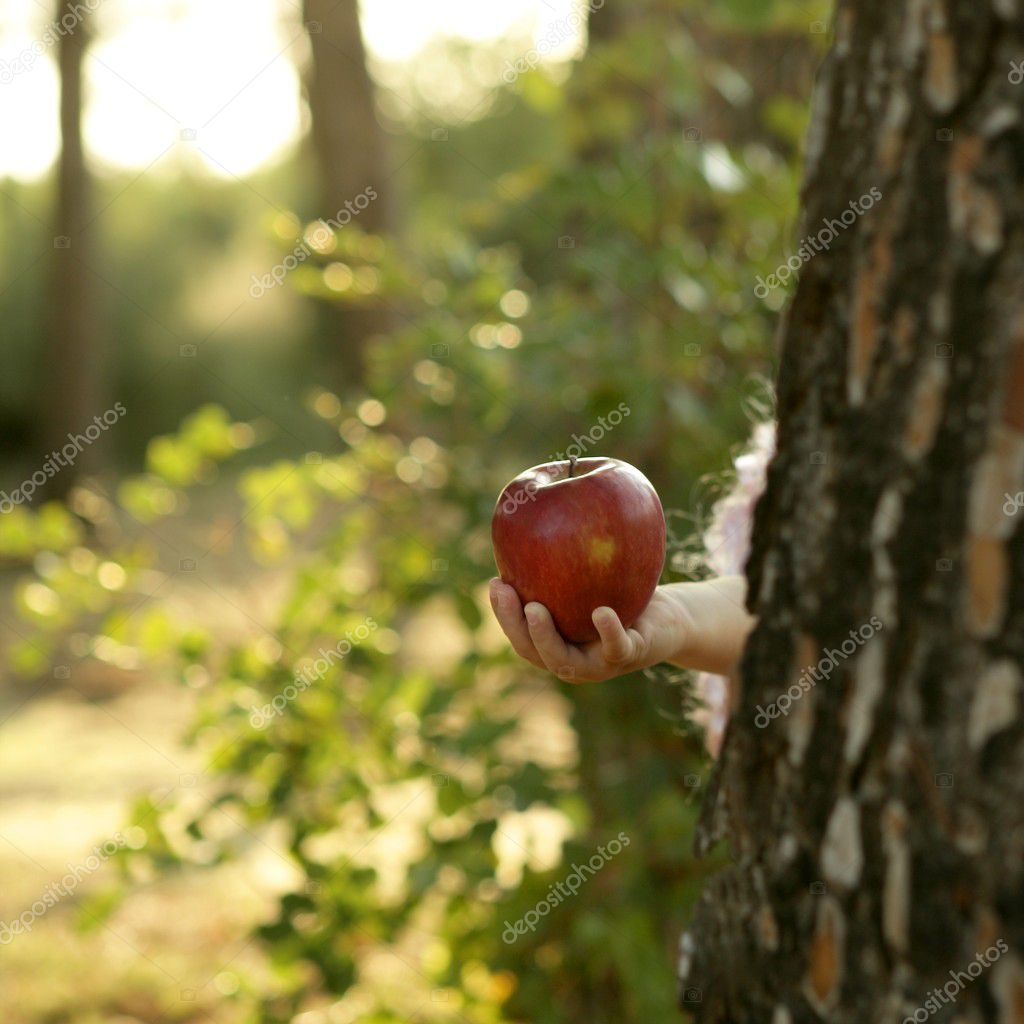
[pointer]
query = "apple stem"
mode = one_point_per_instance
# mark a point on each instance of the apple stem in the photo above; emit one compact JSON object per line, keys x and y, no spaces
{"x":572,"y":464}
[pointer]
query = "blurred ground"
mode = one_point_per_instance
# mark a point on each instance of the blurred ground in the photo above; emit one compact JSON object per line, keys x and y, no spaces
{"x":76,"y":752}
{"x":73,"y":755}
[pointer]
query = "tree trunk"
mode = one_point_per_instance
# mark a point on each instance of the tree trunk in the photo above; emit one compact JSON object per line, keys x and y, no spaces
{"x":71,"y":391}
{"x":876,"y":814}
{"x":350,"y":151}
{"x":607,"y":22}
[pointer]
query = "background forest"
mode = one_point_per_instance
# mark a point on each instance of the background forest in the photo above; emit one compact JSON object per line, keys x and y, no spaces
{"x":317,"y":374}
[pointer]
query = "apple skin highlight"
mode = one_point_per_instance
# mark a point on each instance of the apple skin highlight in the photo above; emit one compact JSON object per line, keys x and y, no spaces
{"x":580,"y":535}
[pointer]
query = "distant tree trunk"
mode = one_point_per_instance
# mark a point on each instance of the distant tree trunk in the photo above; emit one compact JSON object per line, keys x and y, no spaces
{"x":877,"y":824}
{"x":607,"y":22}
{"x":71,"y":392}
{"x":350,"y":151}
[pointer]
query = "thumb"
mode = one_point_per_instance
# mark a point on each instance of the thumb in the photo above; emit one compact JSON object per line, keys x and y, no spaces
{"x":617,"y":645}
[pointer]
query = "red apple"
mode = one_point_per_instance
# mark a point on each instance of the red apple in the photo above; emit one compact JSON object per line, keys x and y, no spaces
{"x":578,"y":535}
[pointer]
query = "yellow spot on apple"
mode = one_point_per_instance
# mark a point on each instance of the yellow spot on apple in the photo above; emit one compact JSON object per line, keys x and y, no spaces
{"x":602,"y":550}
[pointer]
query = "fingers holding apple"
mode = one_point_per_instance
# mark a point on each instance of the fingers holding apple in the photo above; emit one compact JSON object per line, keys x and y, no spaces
{"x":558,"y":656}
{"x":534,"y":638}
{"x":615,"y":652}
{"x":619,"y":646}
{"x":508,"y":610}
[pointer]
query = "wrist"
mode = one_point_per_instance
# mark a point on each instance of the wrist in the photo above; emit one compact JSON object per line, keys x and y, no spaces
{"x":712,"y":624}
{"x":682,"y":637}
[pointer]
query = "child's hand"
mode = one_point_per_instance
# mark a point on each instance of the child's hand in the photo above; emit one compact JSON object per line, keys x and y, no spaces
{"x":653,"y":637}
{"x":696,"y":625}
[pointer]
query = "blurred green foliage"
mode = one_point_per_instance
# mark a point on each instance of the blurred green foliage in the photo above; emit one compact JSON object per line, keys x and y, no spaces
{"x":426,"y":804}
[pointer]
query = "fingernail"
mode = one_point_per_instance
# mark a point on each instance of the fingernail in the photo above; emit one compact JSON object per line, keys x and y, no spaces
{"x":532,"y":614}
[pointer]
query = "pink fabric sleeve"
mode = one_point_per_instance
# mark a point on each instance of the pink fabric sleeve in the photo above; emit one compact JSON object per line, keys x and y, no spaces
{"x":727,"y":545}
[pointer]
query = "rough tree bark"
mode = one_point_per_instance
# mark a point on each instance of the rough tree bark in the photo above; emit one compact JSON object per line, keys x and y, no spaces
{"x":73,"y":371}
{"x":877,"y":828}
{"x":350,"y":150}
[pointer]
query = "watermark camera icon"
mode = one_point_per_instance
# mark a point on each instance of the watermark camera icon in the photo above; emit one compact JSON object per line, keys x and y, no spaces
{"x":691,"y":781}
{"x":188,"y":135}
{"x":818,"y":28}
{"x":686,"y":563}
{"x":691,"y":348}
{"x":944,"y":350}
{"x":816,"y":888}
{"x":187,"y":565}
{"x":566,"y":242}
{"x":944,"y":564}
{"x":313,"y":888}
{"x":693,"y":134}
{"x":692,"y":995}
{"x":439,"y":565}
{"x":440,"y":350}
{"x":62,"y":672}
{"x":440,"y":778}
{"x":314,"y":28}
{"x":944,"y":135}
{"x":314,"y":459}
{"x":62,"y":242}
{"x":439,"y":135}
{"x":818,"y":458}
{"x":187,"y":351}
{"x":944,"y":780}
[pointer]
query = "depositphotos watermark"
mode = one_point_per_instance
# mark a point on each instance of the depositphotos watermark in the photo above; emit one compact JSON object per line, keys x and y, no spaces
{"x":605,"y":424}
{"x":563,"y":29}
{"x":56,"y":891}
{"x":72,"y":17}
{"x":817,"y":673}
{"x":1014,"y":503}
{"x":305,"y":678}
{"x":958,"y":981}
{"x":561,"y":891}
{"x":528,"y":492}
{"x":831,"y":228}
{"x":62,"y":459}
{"x":320,"y":235}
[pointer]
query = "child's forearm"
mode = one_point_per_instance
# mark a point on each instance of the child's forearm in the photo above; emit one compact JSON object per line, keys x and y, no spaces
{"x":715,"y":623}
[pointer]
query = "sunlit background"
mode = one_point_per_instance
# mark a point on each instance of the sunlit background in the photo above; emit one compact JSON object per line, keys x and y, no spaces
{"x":227,"y":70}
